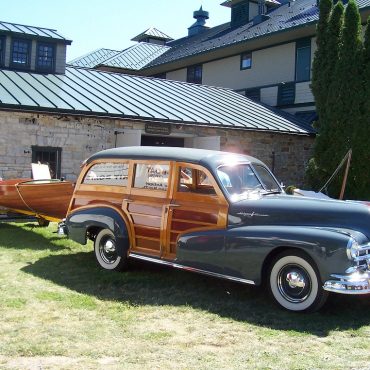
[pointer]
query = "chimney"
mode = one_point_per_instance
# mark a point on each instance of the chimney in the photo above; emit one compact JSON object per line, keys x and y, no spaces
{"x":200,"y":25}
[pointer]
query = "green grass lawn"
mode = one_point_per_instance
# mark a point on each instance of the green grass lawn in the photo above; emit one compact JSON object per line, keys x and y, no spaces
{"x":60,"y":311}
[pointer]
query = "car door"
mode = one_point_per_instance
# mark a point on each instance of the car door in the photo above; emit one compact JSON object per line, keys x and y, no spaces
{"x":197,"y":205}
{"x":147,"y":204}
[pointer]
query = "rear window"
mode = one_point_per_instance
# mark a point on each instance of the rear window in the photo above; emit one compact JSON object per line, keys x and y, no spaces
{"x":114,"y":174}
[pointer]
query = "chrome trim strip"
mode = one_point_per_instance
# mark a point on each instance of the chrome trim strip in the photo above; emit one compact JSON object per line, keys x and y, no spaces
{"x":187,"y":268}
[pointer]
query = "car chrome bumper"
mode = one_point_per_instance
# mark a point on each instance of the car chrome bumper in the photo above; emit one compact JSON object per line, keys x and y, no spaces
{"x":357,"y":282}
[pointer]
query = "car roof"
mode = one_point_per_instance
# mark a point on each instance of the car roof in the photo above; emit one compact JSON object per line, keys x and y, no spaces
{"x":209,"y":158}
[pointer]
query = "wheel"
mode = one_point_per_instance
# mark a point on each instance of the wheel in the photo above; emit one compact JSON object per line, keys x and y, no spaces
{"x":295,"y":283}
{"x":106,"y":253}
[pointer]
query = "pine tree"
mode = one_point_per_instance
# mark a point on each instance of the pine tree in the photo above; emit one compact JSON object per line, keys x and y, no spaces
{"x":361,"y":140}
{"x":343,"y":114}
{"x":326,"y":142}
{"x":326,"y":56}
{"x":320,"y":61}
{"x":347,"y":88}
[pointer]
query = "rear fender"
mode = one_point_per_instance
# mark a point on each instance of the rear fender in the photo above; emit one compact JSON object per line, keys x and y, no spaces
{"x":80,"y":221}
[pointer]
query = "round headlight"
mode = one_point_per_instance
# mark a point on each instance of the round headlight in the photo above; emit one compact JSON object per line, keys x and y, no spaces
{"x":352,"y":249}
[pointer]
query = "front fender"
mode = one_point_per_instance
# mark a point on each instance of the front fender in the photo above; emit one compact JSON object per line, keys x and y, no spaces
{"x":248,"y":247}
{"x":78,"y":222}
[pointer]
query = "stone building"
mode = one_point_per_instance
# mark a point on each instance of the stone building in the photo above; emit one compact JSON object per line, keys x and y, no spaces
{"x":61,"y":117}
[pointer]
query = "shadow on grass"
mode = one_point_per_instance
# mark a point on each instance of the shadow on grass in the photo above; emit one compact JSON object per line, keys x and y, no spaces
{"x":149,"y":284}
{"x":15,"y":237}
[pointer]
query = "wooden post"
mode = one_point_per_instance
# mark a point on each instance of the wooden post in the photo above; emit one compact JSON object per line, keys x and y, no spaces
{"x":344,"y":183}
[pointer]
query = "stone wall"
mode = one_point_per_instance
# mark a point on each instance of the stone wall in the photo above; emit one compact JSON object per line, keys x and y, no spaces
{"x":80,"y":137}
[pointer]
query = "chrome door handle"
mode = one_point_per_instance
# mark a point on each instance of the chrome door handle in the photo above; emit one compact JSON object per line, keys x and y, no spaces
{"x":173,"y":205}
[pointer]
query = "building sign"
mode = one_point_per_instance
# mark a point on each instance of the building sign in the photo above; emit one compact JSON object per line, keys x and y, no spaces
{"x":158,"y":128}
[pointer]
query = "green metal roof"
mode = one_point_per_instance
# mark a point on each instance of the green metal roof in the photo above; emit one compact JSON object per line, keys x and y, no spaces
{"x":154,"y":33}
{"x":94,"y":58}
{"x":83,"y":91}
{"x":6,"y":27}
{"x":136,"y":56}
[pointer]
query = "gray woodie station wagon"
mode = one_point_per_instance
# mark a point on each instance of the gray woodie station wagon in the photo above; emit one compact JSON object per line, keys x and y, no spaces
{"x":221,"y":214}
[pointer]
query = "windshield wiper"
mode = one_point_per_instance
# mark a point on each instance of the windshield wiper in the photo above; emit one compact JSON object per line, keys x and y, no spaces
{"x":269,"y":192}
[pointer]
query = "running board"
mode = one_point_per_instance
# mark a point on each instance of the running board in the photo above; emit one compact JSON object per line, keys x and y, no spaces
{"x":187,"y":268}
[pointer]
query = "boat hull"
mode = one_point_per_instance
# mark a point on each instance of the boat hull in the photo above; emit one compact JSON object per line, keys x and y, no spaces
{"x":46,"y":199}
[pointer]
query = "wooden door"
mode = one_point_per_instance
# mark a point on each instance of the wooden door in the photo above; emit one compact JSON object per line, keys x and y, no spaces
{"x":147,"y":205}
{"x":197,"y":204}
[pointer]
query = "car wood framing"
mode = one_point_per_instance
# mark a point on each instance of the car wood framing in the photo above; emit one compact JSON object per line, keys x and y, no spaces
{"x":220,"y":214}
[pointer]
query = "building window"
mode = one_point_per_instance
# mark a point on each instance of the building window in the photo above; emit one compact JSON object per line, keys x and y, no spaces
{"x":286,"y":94}
{"x":194,"y":74}
{"x":246,"y":61}
{"x":48,"y":155}
{"x":303,"y":60}
{"x":21,"y":51}
{"x":254,"y":94}
{"x":2,"y":51}
{"x":45,"y":57}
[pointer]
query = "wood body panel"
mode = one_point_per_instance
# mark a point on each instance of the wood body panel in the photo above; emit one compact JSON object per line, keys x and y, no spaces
{"x":194,"y":211}
{"x":46,"y":199}
{"x":156,"y":211}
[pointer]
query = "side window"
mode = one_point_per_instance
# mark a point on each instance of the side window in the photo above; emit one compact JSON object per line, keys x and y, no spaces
{"x":115,"y":174}
{"x":152,"y":176}
{"x":45,"y":57}
{"x":194,"y":74}
{"x":21,"y":51}
{"x":303,"y":60}
{"x":195,"y":181}
{"x":246,"y":61}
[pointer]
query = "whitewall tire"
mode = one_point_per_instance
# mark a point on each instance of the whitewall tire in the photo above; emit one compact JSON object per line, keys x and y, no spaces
{"x":106,"y":251}
{"x":295,"y":283}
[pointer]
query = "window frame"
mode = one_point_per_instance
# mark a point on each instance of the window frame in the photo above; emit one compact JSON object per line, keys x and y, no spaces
{"x":42,"y":68}
{"x":300,"y":45}
{"x":49,"y":149}
{"x":250,"y":54}
{"x":17,"y":65}
{"x":191,"y":73}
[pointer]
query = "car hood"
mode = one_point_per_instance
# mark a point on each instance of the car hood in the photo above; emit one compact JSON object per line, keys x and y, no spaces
{"x":301,"y":211}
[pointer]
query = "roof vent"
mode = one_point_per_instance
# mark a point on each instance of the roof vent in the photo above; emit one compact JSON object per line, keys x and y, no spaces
{"x":200,"y":25}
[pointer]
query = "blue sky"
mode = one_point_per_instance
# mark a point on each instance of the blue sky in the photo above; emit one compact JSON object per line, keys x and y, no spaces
{"x":93,"y":24}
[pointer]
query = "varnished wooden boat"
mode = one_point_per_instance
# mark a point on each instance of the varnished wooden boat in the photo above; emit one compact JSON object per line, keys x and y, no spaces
{"x":45,"y":199}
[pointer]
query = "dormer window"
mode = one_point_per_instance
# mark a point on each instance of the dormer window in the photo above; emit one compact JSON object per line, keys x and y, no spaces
{"x":45,"y":57}
{"x":21,"y":51}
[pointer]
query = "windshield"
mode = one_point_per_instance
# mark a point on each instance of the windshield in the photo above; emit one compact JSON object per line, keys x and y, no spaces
{"x":241,"y":181}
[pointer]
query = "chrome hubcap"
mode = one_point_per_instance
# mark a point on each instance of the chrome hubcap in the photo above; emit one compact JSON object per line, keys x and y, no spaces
{"x":295,"y":280}
{"x":294,"y":283}
{"x":107,"y":250}
{"x":109,"y":247}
